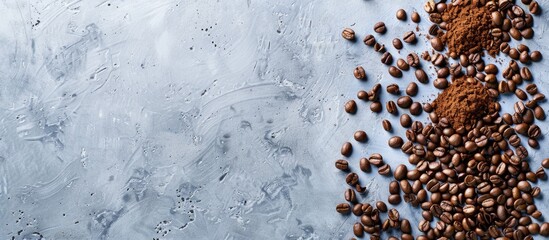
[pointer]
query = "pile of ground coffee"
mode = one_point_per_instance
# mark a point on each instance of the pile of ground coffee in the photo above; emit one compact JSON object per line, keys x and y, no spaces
{"x":468,"y":29}
{"x":463,"y":102}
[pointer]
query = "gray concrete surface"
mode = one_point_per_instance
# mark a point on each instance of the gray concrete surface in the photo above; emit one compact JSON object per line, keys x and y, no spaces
{"x":193,"y":119}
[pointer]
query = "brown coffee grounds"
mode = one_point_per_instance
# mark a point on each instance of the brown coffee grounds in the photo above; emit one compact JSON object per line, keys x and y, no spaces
{"x":468,"y":29}
{"x":464,"y":102}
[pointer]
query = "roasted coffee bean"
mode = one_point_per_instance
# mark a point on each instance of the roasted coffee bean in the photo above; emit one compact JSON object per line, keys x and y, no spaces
{"x":379,"y":47}
{"x":387,"y":125}
{"x":347,"y":149}
{"x":343,"y":208}
{"x":532,"y":88}
{"x":400,"y":172}
{"x":401,"y":14}
{"x":369,"y":40}
{"x":438,"y":60}
{"x":348,"y":34}
{"x":395,"y":142}
{"x":380,"y":27}
{"x":381,"y":206}
{"x":376,"y":107}
{"x":357,"y":209}
{"x":440,"y":83}
{"x":521,"y":94}
{"x":387,"y":58}
{"x":505,"y":48}
{"x":524,"y":57}
{"x":405,"y":120}
{"x":525,"y":74}
{"x":409,"y":37}
{"x":534,"y":131}
{"x":413,"y":60}
{"x":358,"y":230}
{"x":350,"y":107}
{"x":437,"y":44}
{"x":352,"y":179}
{"x":359,"y":73}
{"x":415,"y":17}
{"x":376,"y":159}
{"x":391,"y":107}
{"x":394,"y":187}
{"x":539,"y":113}
{"x":395,"y":72}
{"x":384,"y":170}
{"x":535,"y":56}
{"x":415,"y":109}
{"x":364,"y":164}
{"x":403,"y":65}
{"x":350,"y":195}
{"x":360,"y":136}
{"x":412,"y":89}
{"x":397,"y":44}
{"x":362,"y":95}
{"x":514,"y":54}
{"x":342,"y":164}
{"x":534,"y":8}
{"x":421,"y":76}
{"x":404,"y":101}
{"x":393,"y":89}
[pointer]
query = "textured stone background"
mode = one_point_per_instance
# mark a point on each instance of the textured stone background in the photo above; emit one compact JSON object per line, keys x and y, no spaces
{"x":193,"y":119}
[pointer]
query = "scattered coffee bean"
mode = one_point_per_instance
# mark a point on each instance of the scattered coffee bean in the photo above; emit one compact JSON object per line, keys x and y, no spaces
{"x":350,"y":195}
{"x":401,"y":14}
{"x":343,"y":208}
{"x":395,"y":72}
{"x":403,"y":65}
{"x":350,"y":107}
{"x":391,"y":107}
{"x":387,"y":58}
{"x":415,"y":108}
{"x":362,"y":95}
{"x":397,"y":44}
{"x":405,"y":121}
{"x":395,"y":142}
{"x":376,"y":107}
{"x":358,"y":229}
{"x":342,"y":165}
{"x":409,"y":37}
{"x":364,"y":164}
{"x":437,"y":44}
{"x":394,"y":199}
{"x":421,"y":76}
{"x":352,"y":179}
{"x":387,"y":125}
{"x":369,"y":40}
{"x":535,"y":56}
{"x":384,"y":170}
{"x":415,"y":17}
{"x":348,"y":34}
{"x":360,"y":136}
{"x":359,"y":73}
{"x":412,"y":89}
{"x":347,"y":149}
{"x":380,"y":27}
{"x":404,"y":101}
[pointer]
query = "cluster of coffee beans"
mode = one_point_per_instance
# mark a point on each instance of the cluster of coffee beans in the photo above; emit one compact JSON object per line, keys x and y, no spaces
{"x":469,"y":182}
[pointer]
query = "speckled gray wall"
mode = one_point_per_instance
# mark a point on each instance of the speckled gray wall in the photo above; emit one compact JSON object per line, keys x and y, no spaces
{"x":191,"y":119}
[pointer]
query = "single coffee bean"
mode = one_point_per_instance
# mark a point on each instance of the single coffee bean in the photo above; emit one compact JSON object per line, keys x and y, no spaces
{"x":438,"y":60}
{"x":384,"y":170}
{"x":364,"y":164}
{"x":505,"y":48}
{"x":360,"y":136}
{"x":394,"y":199}
{"x":415,"y":109}
{"x":544,"y":229}
{"x":358,"y":230}
{"x":369,"y":40}
{"x":394,"y":187}
{"x":359,"y":73}
{"x":405,"y":120}
{"x":440,"y":83}
{"x":535,"y":56}
{"x":350,"y":195}
{"x":376,"y":107}
{"x":343,"y":208}
{"x":381,"y":206}
{"x":391,"y":108}
{"x":413,"y":60}
{"x":357,"y":210}
{"x":539,"y":113}
{"x":437,"y":44}
{"x":362,"y":95}
{"x":421,"y":76}
{"x":348,"y":34}
{"x":404,"y":101}
{"x":400,"y":172}
{"x":393,"y":89}
{"x":350,"y":107}
{"x":393,"y":214}
{"x":409,"y":37}
{"x":412,"y":89}
{"x":514,"y":54}
{"x":397,"y":44}
{"x":403,"y":65}
{"x":534,"y":131}
{"x":387,"y":58}
{"x":401,"y":14}
{"x":524,"y":57}
{"x":376,"y":159}
{"x":525,"y":74}
{"x":387,"y":125}
{"x":395,"y":72}
{"x":532,"y":88}
{"x":534,"y":8}
{"x":347,"y":149}
{"x":521,"y":94}
{"x":380,"y":27}
{"x":342,"y":164}
{"x":395,"y":142}
{"x":415,"y":17}
{"x":352,"y":179}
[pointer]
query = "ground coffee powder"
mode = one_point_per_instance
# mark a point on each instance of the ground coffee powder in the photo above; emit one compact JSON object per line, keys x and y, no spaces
{"x":463,"y":102}
{"x":468,"y":29}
